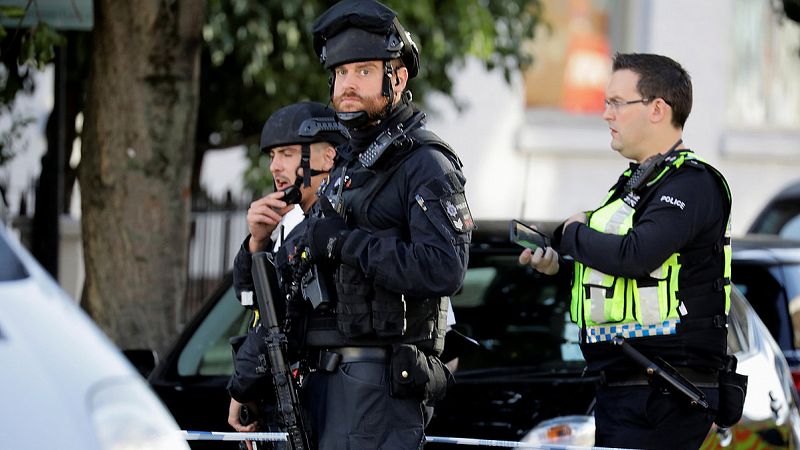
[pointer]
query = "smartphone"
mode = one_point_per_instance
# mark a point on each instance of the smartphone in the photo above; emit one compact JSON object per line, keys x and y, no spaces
{"x":527,"y":237}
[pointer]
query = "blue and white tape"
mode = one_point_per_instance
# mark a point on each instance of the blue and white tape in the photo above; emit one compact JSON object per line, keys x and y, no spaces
{"x":234,"y":436}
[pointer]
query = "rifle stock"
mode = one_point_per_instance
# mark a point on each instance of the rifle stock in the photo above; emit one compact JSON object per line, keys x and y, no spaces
{"x":288,"y":402}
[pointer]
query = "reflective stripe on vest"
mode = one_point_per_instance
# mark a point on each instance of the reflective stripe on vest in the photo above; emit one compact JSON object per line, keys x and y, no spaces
{"x":607,"y":306}
{"x":604,"y":333}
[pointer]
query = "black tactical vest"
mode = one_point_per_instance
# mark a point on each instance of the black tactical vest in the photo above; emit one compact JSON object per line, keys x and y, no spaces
{"x":366,"y":314}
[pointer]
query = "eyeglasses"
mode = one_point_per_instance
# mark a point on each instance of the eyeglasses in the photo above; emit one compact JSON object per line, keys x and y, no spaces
{"x":614,"y":104}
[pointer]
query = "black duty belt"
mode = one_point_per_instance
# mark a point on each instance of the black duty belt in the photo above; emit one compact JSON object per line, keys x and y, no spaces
{"x":329,"y":359}
{"x":700,"y":378}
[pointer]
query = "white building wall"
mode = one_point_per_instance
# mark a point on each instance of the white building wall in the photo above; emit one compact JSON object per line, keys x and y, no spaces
{"x":549,"y":165}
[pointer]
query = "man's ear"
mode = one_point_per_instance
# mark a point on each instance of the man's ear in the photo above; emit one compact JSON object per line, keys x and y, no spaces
{"x":328,"y":157}
{"x":661,"y":111}
{"x":400,"y":78}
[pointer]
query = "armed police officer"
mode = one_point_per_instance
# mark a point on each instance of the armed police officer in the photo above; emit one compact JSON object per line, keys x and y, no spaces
{"x":651,"y":264}
{"x":391,"y":234}
{"x":300,"y":140}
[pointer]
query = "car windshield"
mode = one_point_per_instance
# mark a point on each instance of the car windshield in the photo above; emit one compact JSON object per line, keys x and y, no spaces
{"x":774,"y":293}
{"x":783,"y":219}
{"x":519,"y":316}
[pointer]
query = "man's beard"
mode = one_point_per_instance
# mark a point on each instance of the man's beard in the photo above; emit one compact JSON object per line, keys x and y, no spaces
{"x":374,"y":106}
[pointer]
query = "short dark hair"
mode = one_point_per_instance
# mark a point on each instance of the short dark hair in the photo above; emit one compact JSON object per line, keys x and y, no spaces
{"x":660,"y":77}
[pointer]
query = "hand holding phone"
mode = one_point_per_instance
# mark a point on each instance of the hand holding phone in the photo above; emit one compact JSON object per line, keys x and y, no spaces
{"x":527,"y":237}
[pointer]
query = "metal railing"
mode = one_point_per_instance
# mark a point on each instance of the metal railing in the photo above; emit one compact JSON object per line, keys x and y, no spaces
{"x":218,"y":228}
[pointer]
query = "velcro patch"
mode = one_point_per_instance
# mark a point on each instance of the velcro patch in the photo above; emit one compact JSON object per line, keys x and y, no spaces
{"x":457,"y":212}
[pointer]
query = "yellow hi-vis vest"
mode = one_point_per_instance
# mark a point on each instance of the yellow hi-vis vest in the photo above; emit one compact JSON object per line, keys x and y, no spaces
{"x":606,"y":306}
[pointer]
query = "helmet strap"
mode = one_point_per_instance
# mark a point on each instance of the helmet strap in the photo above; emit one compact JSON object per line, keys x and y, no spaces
{"x":305,"y":163}
{"x":386,"y":89}
{"x":353,"y":120}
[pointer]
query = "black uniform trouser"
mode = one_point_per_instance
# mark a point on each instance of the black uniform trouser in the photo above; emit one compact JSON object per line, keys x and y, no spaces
{"x":350,"y":408}
{"x":648,"y":417}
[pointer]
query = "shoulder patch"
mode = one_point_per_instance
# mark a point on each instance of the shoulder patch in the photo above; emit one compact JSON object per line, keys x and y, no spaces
{"x":457,"y":211}
{"x":674,"y":201}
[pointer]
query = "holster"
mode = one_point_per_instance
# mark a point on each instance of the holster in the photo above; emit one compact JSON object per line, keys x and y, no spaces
{"x":417,"y":375}
{"x":732,"y":391}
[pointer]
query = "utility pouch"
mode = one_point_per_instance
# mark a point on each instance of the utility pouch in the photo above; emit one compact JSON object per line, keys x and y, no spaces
{"x":417,"y":375}
{"x":388,"y":313}
{"x":606,"y":297}
{"x":732,"y":391}
{"x":353,"y":309}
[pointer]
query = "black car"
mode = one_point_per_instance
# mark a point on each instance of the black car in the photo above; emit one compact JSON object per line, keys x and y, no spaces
{"x":526,"y":379}
{"x":781,"y":215}
{"x":767,"y":270}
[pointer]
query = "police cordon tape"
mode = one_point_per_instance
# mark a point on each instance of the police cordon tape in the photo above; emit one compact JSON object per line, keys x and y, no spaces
{"x":258,"y":436}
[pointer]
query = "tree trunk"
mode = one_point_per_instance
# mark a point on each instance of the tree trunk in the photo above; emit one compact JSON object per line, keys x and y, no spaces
{"x":138,"y":146}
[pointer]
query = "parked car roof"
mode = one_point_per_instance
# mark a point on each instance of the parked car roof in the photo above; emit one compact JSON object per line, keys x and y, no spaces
{"x":781,"y":215}
{"x":766,"y":248}
{"x":63,"y":383}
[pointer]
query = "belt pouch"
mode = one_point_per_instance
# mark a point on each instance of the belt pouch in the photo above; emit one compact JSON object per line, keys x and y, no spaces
{"x":353,"y":310}
{"x":417,"y":375}
{"x":732,"y":391}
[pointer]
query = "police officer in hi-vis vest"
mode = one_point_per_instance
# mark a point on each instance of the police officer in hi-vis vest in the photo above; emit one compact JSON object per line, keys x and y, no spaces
{"x":651,"y":264}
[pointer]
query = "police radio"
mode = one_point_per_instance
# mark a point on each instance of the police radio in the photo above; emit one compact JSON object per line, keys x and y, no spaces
{"x":369,"y":157}
{"x":292,"y":195}
{"x":642,"y":173}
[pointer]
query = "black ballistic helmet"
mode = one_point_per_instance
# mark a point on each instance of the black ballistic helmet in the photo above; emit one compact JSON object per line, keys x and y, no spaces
{"x":363,"y":30}
{"x":301,"y":123}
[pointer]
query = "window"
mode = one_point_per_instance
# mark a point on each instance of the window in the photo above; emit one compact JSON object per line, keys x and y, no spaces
{"x":572,"y":55}
{"x":208,"y":351}
{"x":765,"y":294}
{"x":520,"y":317}
{"x":765,"y":79}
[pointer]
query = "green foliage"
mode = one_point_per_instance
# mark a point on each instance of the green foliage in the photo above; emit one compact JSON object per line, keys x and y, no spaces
{"x":38,"y":46}
{"x":20,"y":51}
{"x":259,"y":57}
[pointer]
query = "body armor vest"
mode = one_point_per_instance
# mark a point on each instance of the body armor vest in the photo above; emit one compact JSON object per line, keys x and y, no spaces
{"x":606,"y":306}
{"x":367,"y":314}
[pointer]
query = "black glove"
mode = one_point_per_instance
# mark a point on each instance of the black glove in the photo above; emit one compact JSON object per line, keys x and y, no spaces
{"x":326,"y":236}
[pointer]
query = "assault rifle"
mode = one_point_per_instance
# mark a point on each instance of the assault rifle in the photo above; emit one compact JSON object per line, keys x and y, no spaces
{"x":287,"y":401}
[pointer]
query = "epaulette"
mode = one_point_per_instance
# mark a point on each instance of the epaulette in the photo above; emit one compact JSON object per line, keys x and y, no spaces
{"x":695,"y":164}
